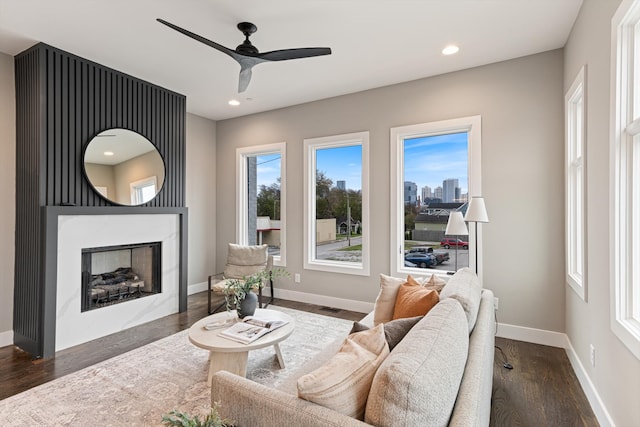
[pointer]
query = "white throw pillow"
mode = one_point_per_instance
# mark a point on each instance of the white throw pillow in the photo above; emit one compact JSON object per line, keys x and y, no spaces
{"x":386,"y":300}
{"x":343,"y":383}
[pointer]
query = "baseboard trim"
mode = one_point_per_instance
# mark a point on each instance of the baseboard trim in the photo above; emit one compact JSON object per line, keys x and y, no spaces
{"x":532,"y":335}
{"x":323,"y":300}
{"x":561,"y":340}
{"x":589,"y":389}
{"x":194,"y":288}
{"x":6,"y":338}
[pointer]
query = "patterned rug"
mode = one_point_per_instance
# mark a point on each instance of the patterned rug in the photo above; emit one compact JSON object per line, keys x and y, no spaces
{"x":138,"y":387}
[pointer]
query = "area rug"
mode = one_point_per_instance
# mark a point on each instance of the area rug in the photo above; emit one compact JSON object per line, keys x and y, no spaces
{"x":138,"y":387}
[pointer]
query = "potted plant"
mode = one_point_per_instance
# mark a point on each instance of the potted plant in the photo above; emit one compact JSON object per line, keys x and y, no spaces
{"x":182,"y":419}
{"x":238,"y":292}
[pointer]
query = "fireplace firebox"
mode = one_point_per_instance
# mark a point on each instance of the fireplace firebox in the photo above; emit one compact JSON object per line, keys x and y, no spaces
{"x":116,"y":274}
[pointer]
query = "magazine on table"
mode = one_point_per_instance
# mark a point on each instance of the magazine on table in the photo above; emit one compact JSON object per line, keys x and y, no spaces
{"x":251,"y":328}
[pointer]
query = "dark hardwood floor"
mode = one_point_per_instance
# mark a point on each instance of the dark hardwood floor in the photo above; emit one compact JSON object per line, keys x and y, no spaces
{"x":541,"y":390}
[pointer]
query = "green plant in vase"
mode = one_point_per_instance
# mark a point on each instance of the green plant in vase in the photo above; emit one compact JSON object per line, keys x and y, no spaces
{"x":238,"y":292}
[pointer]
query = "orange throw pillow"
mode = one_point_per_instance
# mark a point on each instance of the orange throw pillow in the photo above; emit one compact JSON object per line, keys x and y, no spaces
{"x":414,"y":300}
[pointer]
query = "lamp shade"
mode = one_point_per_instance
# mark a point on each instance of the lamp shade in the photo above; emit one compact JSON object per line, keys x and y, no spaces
{"x":476,"y":211}
{"x":456,"y":225}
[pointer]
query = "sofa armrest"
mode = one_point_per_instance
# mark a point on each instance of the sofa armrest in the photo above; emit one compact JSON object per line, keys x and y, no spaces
{"x":473,"y":405}
{"x":250,"y":404}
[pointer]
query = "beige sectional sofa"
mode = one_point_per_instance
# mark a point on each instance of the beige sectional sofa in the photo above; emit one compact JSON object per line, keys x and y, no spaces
{"x":441,"y":373}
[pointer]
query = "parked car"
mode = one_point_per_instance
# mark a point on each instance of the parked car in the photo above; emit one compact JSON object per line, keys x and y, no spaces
{"x":441,"y":256}
{"x":448,"y":242}
{"x":409,"y":264}
{"x":421,"y":260}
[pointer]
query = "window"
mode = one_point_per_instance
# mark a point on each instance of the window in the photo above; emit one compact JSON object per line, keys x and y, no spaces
{"x":625,"y":153}
{"x":261,"y":201}
{"x":142,"y":191}
{"x":574,"y":181}
{"x":435,"y":169}
{"x":336,"y":210}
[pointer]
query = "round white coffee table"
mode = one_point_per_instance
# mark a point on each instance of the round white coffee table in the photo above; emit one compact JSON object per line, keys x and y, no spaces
{"x":229,"y":355}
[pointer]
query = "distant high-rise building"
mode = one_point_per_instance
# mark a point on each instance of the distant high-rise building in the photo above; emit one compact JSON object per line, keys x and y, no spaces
{"x":449,"y":187}
{"x":426,"y":193}
{"x":342,"y":185}
{"x":437,"y":193}
{"x":410,"y":193}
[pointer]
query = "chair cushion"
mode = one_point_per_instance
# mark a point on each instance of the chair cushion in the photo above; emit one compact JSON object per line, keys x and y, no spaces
{"x":245,"y":260}
{"x":464,"y":286}
{"x":418,"y":383}
{"x":343,"y":383}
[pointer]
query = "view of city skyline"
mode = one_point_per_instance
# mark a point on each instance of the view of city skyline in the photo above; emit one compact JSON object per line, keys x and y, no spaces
{"x":428,"y":161}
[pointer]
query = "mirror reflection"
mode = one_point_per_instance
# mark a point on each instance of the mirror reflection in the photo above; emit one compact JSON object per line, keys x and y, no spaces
{"x":124,"y":167}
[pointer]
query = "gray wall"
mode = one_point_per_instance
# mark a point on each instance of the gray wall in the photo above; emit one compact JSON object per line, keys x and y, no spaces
{"x":616,"y":371}
{"x":7,"y":195}
{"x":522,"y":149}
{"x":201,"y":197}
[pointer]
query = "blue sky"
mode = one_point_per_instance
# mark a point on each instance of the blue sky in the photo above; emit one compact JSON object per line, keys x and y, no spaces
{"x":432,"y":159}
{"x":342,"y":164}
{"x":427,"y":161}
{"x":268,"y":169}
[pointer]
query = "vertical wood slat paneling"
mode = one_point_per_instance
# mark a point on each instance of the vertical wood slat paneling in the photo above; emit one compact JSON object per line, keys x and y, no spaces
{"x":62,"y":101}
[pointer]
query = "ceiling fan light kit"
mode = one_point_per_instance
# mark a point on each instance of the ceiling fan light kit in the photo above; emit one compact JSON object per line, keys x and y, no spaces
{"x":247,"y":55}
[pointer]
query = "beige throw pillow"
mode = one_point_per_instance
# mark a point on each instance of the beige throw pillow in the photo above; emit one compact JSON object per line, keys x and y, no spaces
{"x":386,"y":300}
{"x":343,"y":383}
{"x":436,"y":283}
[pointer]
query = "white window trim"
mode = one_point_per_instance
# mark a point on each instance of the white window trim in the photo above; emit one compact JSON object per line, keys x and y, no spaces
{"x":136,"y":185}
{"x":473,"y":126}
{"x":625,"y":276}
{"x":575,"y":167}
{"x":242,"y":208}
{"x":309,"y":211}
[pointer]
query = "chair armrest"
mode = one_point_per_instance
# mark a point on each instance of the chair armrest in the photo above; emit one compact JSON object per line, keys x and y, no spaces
{"x":250,"y":404}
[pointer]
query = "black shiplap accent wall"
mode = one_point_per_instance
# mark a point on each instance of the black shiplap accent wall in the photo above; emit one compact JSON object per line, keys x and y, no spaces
{"x":62,"y":101}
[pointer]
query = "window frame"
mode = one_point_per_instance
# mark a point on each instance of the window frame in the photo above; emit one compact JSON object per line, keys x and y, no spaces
{"x":472,"y":125}
{"x":625,"y":176}
{"x":311,"y":145}
{"x":242,"y":194}
{"x":575,"y":185}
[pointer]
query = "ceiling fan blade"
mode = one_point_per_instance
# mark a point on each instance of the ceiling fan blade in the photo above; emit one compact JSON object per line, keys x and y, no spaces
{"x":232,"y":53}
{"x":245,"y":78}
{"x":285,"y":54}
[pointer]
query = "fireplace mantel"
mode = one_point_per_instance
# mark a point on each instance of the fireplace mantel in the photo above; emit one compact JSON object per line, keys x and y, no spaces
{"x":51,"y":214}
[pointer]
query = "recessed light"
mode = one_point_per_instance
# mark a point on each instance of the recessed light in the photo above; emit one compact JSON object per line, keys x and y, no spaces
{"x":450,"y":50}
{"x":234,"y":102}
{"x":108,"y":153}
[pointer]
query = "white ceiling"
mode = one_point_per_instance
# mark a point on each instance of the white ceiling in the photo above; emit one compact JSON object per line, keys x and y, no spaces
{"x":374,"y":42}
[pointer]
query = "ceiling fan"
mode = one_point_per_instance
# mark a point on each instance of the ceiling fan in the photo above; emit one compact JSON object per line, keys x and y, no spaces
{"x":247,"y":55}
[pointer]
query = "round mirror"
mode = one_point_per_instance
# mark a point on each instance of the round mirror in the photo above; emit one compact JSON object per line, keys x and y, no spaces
{"x":124,"y":167}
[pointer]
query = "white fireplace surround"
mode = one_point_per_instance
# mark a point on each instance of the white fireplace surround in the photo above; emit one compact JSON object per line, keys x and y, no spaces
{"x":76,"y":232}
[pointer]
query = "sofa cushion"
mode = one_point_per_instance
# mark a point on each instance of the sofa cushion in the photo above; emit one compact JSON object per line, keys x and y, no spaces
{"x":418,"y":383}
{"x":386,"y":300}
{"x":343,"y":383}
{"x":435,"y":282}
{"x":464,"y":286}
{"x":394,"y":330}
{"x":413,"y":300}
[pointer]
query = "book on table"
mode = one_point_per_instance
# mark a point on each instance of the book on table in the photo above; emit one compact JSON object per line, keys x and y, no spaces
{"x":251,"y":328}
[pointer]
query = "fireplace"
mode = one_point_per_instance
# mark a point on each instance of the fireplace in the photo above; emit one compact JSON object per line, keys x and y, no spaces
{"x":115,"y":274}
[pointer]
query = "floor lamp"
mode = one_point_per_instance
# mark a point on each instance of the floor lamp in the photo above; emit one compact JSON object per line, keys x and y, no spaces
{"x":456,"y":227}
{"x":476,"y":212}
